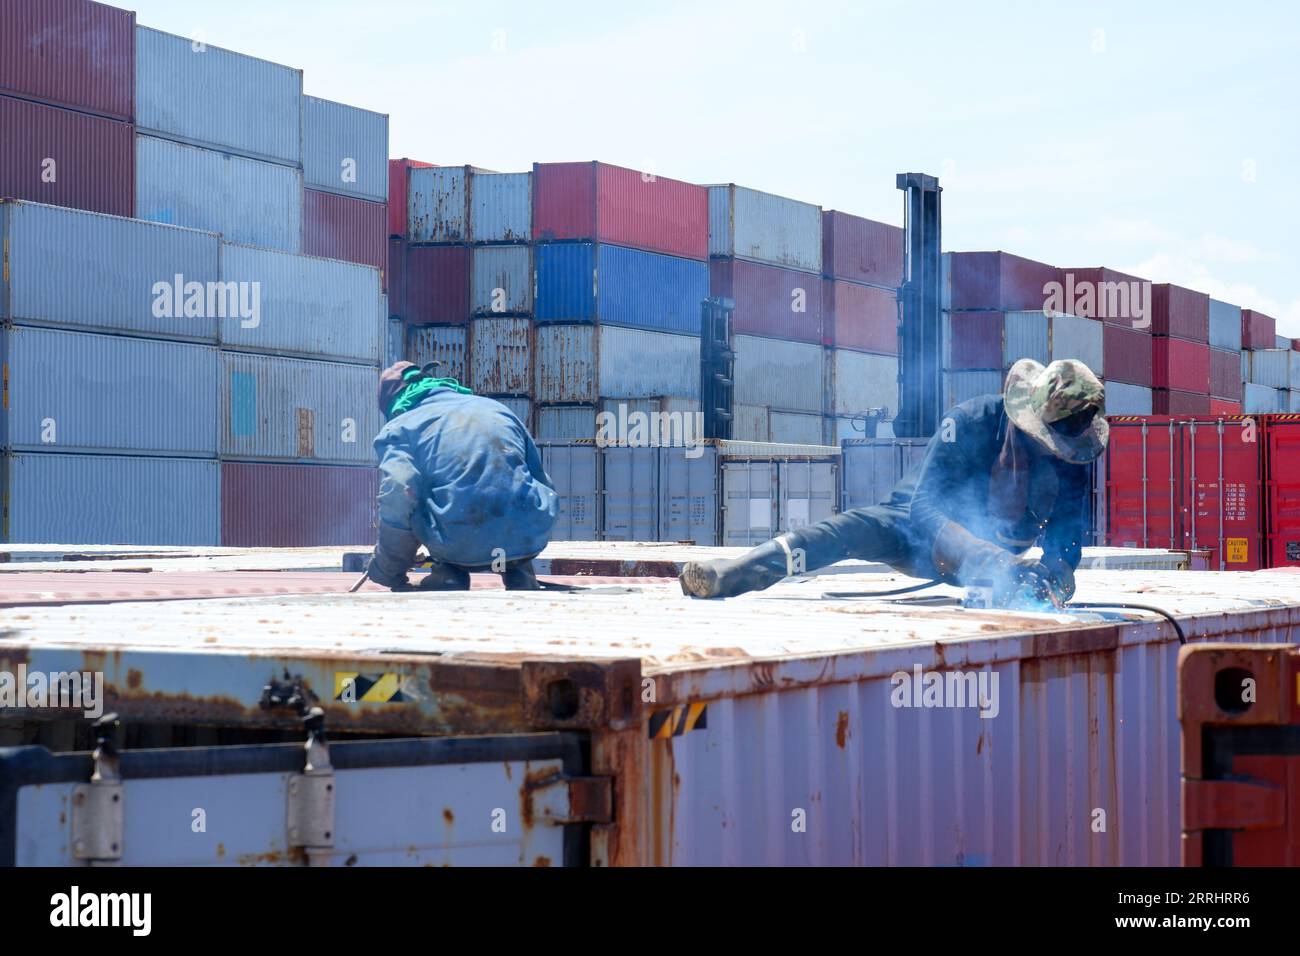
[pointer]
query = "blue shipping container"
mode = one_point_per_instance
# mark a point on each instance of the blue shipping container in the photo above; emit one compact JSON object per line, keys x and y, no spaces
{"x":614,"y":285}
{"x":344,"y":149}
{"x":501,"y":207}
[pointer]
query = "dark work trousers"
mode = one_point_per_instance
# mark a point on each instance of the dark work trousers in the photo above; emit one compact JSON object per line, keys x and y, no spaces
{"x":879,"y":533}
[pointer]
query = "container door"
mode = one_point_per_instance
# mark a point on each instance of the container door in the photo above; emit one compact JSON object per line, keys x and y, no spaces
{"x":1283,"y":490}
{"x":807,"y":493}
{"x":573,"y":470}
{"x":870,"y":470}
{"x":631,"y":494}
{"x":481,"y":801}
{"x":688,"y":495}
{"x":1142,"y":461}
{"x":749,"y":505}
{"x":1221,"y":484}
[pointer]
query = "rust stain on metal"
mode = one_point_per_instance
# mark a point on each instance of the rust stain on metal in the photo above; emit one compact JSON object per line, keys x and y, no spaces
{"x":448,"y":815}
{"x":533,"y":780}
{"x":134,"y":678}
{"x":621,"y":755}
{"x":662,"y":773}
{"x":294,"y":856}
{"x":614,"y":568}
{"x":221,"y":851}
{"x":841,"y":728}
{"x":542,"y":861}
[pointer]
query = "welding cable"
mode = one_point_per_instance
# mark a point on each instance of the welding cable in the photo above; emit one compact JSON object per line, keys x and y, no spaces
{"x":1182,"y":638}
{"x":872,"y":594}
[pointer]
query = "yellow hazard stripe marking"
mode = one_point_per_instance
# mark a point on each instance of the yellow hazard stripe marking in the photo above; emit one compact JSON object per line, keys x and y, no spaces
{"x":356,"y":687}
{"x":675,"y":721}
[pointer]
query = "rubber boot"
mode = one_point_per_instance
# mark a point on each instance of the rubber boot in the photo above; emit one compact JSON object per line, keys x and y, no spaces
{"x":759,"y":569}
{"x":519,"y":576}
{"x":445,"y":577}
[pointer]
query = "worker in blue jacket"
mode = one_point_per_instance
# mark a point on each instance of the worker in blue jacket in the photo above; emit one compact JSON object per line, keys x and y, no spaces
{"x":459,"y":474}
{"x":1001,"y":474}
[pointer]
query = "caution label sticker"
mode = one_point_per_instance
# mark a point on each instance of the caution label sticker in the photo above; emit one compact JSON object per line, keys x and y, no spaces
{"x":675,"y":721}
{"x":351,"y":687}
{"x":1237,"y":549}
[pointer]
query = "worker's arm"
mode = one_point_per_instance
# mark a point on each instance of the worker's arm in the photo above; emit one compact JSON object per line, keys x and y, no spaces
{"x":399,"y":484}
{"x":1063,"y":537}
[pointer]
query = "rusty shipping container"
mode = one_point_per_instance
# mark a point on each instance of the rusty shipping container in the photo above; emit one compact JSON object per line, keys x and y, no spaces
{"x":861,"y":250}
{"x":272,"y":505}
{"x":779,"y":303}
{"x":344,"y":227}
{"x":399,"y":171}
{"x":448,"y":345}
{"x":860,"y":317}
{"x":501,"y":356}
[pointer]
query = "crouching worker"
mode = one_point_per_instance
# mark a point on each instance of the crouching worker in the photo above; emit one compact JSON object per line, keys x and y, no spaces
{"x":460,"y":475}
{"x":1001,"y":473}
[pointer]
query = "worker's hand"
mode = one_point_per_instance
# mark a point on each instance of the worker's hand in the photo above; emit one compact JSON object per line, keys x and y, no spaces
{"x":1062,"y":579}
{"x":1031,"y":585}
{"x":394,"y":582}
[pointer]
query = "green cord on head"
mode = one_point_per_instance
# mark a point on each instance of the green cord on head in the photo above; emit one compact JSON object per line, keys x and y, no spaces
{"x":407,"y":398}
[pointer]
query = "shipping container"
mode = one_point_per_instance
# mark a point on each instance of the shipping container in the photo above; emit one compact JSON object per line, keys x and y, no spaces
{"x":565,"y":423}
{"x":448,"y":345}
{"x":1225,"y":375}
{"x":1180,"y":312}
{"x":110,"y":499}
{"x":398,"y":193}
{"x":574,"y":470}
{"x":870,"y":468}
{"x":624,"y":207}
{"x":501,"y":280}
{"x":395,"y":275}
{"x":275,"y":505}
{"x":1180,"y":364}
{"x":1258,"y":331}
{"x":1269,"y":367}
{"x":344,"y":149}
{"x":669,"y":421}
{"x":771,"y":301}
{"x":1117,"y":298}
{"x":1281,"y":342}
{"x":436,"y":285}
{"x":765,"y":495}
{"x":1282,"y":491}
{"x":501,"y":356}
{"x":861,"y":250}
{"x":63,"y":158}
{"x":629,"y":493}
{"x":688,"y":495}
{"x":395,"y":341}
{"x":1125,"y":399}
{"x":1076,"y":337}
{"x":962,"y":386}
{"x":1128,"y":355}
{"x":342,"y":227}
{"x":750,"y":422}
{"x":582,"y":363}
{"x":613,"y":285}
{"x":246,"y":200}
{"x":999,"y":281}
{"x":437,"y":203}
{"x":859,"y":317}
{"x":65,"y":267}
{"x":521,"y":408}
{"x":304,"y":305}
{"x":779,"y":374}
{"x":131,"y":395}
{"x":796,"y":428}
{"x":190,"y":91}
{"x":70,"y":53}
{"x":1292,"y":399}
{"x":501,"y":207}
{"x":1260,"y":399}
{"x":995,"y":340}
{"x":1221,"y":407}
{"x":863,"y":381}
{"x":1165,"y":401}
{"x":1225,"y":326}
{"x":748,"y":224}
{"x":286,"y":409}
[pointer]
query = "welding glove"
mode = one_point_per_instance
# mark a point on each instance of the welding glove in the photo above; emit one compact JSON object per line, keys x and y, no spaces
{"x":1062,"y":579}
{"x":1031,"y":585}
{"x":393,"y":557}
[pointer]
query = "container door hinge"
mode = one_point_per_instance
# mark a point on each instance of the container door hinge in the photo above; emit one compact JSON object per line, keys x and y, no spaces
{"x":562,"y":800}
{"x":1232,"y":805}
{"x":97,"y":807}
{"x":311,"y":795}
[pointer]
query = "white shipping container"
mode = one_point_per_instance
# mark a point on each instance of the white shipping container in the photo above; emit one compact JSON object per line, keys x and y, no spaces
{"x":750,"y":423}
{"x":1225,"y":326}
{"x":759,"y":226}
{"x":1293,"y":400}
{"x":285,"y":409}
{"x":565,"y":422}
{"x":1024,"y":335}
{"x":521,"y":408}
{"x":574,"y":470}
{"x":502,"y":280}
{"x":1260,"y":399}
{"x":246,"y":200}
{"x":580,"y":363}
{"x":777,"y":373}
{"x":964,"y":385}
{"x":1078,"y":337}
{"x":501,"y":207}
{"x":796,"y":428}
{"x":1293,"y":369}
{"x":1125,"y":399}
{"x":190,"y":91}
{"x":344,"y":149}
{"x":864,"y":380}
{"x":1269,"y":367}
{"x":501,"y":356}
{"x":445,"y":344}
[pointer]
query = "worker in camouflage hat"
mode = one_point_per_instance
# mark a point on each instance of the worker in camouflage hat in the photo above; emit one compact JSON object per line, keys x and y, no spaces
{"x":1002,"y":473}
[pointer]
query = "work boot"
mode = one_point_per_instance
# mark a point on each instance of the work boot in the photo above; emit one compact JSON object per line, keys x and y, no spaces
{"x":445,"y":577}
{"x":519,"y":576}
{"x":755,"y":571}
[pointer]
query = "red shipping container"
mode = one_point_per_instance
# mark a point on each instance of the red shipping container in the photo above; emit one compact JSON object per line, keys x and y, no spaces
{"x":771,"y":301}
{"x":63,"y":158}
{"x":1181,"y":365}
{"x":860,"y":317}
{"x":596,"y":201}
{"x":1258,"y":331}
{"x":975,"y":340}
{"x":1116,"y":298}
{"x":999,"y":281}
{"x":344,"y":227}
{"x":1221,"y":406}
{"x":1127,"y":355}
{"x":861,"y":250}
{"x":1166,"y":401}
{"x":436,"y":285}
{"x":70,"y":53}
{"x":399,"y":180}
{"x":265,"y":505}
{"x":1282,"y":444}
{"x":1225,"y":374}
{"x":1180,"y":312}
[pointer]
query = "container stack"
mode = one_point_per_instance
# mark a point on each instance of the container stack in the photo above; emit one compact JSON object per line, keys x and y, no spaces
{"x":1180,"y":350}
{"x":862,"y":268}
{"x":621,"y":268}
{"x":1225,"y":358}
{"x":766,"y":255}
{"x":1122,"y":303}
{"x":1264,"y":369}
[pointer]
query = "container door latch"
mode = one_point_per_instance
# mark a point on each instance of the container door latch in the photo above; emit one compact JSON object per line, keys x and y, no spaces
{"x":97,"y":807}
{"x":311,"y":795}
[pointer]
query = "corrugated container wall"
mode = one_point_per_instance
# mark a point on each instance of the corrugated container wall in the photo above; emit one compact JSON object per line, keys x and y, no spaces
{"x":139,"y":500}
{"x":291,"y":409}
{"x":961,"y":386}
{"x":614,"y":285}
{"x":861,"y":250}
{"x":502,"y":280}
{"x":437,"y":203}
{"x":1281,"y":342}
{"x":316,"y":307}
{"x":1180,"y":364}
{"x":750,"y":422}
{"x":196,"y":93}
{"x":501,"y":207}
{"x":995,"y":340}
{"x":785,"y":375}
{"x":340,"y":227}
{"x":1225,"y":326}
{"x":501,"y":356}
{"x":1074,"y":337}
{"x":245,"y":200}
{"x":436,"y":285}
{"x":999,"y":281}
{"x":859,"y":317}
{"x":1269,"y":367}
{"x":582,"y":363}
{"x":136,"y":395}
{"x":626,"y":207}
{"x":344,"y":149}
{"x":398,"y":171}
{"x":70,"y":53}
{"x":565,"y":422}
{"x":1225,"y":374}
{"x":796,"y":428}
{"x":1125,"y":399}
{"x":446,"y":345}
{"x":749,"y":224}
{"x":297,"y":506}
{"x":82,"y":269}
{"x":771,"y":301}
{"x":521,"y":408}
{"x":1180,"y":312}
{"x":1116,"y":298}
{"x":1257,"y":330}
{"x":62,"y":158}
{"x":1166,"y":401}
{"x":1257,"y":399}
{"x":863,"y":381}
{"x":1128,"y":355}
